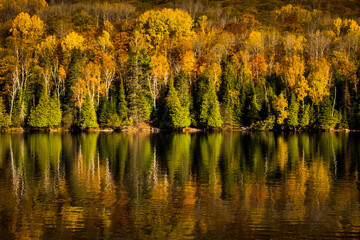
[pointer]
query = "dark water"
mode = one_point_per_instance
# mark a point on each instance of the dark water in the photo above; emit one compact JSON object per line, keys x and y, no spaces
{"x":180,"y":186}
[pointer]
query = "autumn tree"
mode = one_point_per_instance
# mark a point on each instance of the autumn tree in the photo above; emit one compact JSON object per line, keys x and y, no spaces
{"x":26,"y":32}
{"x":159,"y":25}
{"x":318,"y":80}
{"x":280,"y":106}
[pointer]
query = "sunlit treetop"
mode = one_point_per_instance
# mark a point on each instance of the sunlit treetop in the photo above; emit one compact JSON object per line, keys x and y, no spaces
{"x":27,"y":28}
{"x":72,"y":41}
{"x":157,"y":25}
{"x":48,"y":45}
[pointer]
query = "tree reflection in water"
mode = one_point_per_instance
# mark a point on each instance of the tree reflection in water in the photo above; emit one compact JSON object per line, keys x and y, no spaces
{"x":179,"y":186}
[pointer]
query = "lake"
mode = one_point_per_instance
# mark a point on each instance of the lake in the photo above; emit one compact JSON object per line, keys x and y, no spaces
{"x":236,"y":185}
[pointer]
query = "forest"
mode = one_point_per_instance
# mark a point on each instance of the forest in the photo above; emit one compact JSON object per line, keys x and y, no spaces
{"x":175,"y":65}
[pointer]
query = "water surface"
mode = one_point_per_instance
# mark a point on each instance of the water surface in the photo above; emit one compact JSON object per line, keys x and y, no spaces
{"x":180,"y":186}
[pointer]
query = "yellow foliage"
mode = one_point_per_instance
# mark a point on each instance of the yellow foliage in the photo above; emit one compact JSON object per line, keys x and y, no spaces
{"x":160,"y":66}
{"x":254,"y":42}
{"x":295,"y":70}
{"x":188,"y":61}
{"x":301,"y":88}
{"x":105,"y":41}
{"x":72,"y":41}
{"x":213,"y":72}
{"x":157,"y":25}
{"x":337,"y":26}
{"x":318,"y":80}
{"x":280,"y":105}
{"x":48,"y":45}
{"x":26,"y":28}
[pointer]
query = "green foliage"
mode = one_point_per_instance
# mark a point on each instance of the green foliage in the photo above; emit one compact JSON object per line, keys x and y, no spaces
{"x":305,"y":116}
{"x":88,"y":115}
{"x":4,"y":117}
{"x":326,"y":118}
{"x":177,"y":116}
{"x":55,"y":114}
{"x":210,"y":110}
{"x":292,"y":119}
{"x":267,"y":124}
{"x":139,"y":103}
{"x":39,"y":115}
{"x":122,"y":104}
{"x":235,"y":75}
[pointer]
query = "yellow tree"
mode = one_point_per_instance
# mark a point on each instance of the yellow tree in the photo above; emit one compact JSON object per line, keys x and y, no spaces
{"x":318,"y":80}
{"x":159,"y":75}
{"x":26,"y":33}
{"x":108,"y":67}
{"x":254,"y":43}
{"x":105,"y":42}
{"x":92,"y":77}
{"x":295,"y":69}
{"x":70,"y":42}
{"x":158,"y":25}
{"x":49,"y":69}
{"x":280,"y":106}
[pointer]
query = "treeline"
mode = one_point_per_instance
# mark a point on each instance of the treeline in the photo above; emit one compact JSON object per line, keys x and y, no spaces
{"x":85,"y":66}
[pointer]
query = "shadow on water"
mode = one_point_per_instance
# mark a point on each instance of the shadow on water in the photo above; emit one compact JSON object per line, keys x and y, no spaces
{"x":179,"y":186}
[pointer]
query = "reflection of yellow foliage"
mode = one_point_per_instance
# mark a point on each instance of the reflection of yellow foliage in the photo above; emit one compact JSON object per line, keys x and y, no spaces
{"x":73,"y":217}
{"x":281,"y":153}
{"x":319,"y":181}
{"x":296,"y":187}
{"x":160,"y":191}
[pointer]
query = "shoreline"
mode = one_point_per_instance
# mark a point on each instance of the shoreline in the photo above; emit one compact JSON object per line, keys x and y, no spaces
{"x":149,"y":129}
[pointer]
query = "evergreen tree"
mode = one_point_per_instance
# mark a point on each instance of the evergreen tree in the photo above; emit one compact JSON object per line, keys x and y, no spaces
{"x":39,"y":115}
{"x":88,"y":115}
{"x":139,"y":104}
{"x":292,"y":119}
{"x":4,"y":117}
{"x":210,"y":110}
{"x":182,"y":87}
{"x":326,"y":119}
{"x":55,"y":112}
{"x":305,"y":116}
{"x":226,"y":92}
{"x":105,"y":112}
{"x":177,"y":116}
{"x":122,"y":104}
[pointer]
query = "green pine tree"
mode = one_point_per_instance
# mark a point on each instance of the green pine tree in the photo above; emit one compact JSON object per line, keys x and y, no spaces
{"x":122,"y":104}
{"x":39,"y":115}
{"x":292,"y":119}
{"x":139,"y":105}
{"x":105,"y":112}
{"x":227,"y":88}
{"x":88,"y":115}
{"x":5,"y":121}
{"x":177,"y":115}
{"x":305,"y":116}
{"x":326,"y":119}
{"x":181,"y":84}
{"x":55,"y":114}
{"x":210,"y":110}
